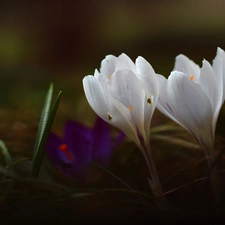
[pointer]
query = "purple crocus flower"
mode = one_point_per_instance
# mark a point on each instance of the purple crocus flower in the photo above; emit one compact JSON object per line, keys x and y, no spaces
{"x":81,"y":144}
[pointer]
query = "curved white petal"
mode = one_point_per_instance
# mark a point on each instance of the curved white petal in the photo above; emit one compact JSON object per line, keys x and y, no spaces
{"x":219,"y":70}
{"x":95,"y":95}
{"x":118,"y":118}
{"x":101,"y":77}
{"x":124,"y":62}
{"x":98,"y":76}
{"x":208,"y":83}
{"x":126,"y":89}
{"x":123,"y":120}
{"x":164,"y":100}
{"x":193,"y":106}
{"x":207,"y":80}
{"x":108,"y":65}
{"x":102,"y":103}
{"x":149,"y":81}
{"x":190,"y":106}
{"x":187,"y":66}
{"x":148,"y":78}
{"x":96,"y":73}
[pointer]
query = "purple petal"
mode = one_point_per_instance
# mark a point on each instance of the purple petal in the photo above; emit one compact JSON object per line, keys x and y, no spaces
{"x":102,"y":150}
{"x":73,"y":127}
{"x":79,"y":139}
{"x":52,"y":146}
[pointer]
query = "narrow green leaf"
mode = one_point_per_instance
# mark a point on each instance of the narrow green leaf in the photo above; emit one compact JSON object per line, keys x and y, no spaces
{"x":176,"y":173}
{"x":167,"y":127}
{"x":176,"y":141}
{"x":214,"y":162}
{"x":18,"y":162}
{"x":44,"y":118}
{"x":38,"y":157}
{"x":6,"y":157}
{"x":113,"y":175}
{"x":142,"y":194}
{"x":7,"y":162}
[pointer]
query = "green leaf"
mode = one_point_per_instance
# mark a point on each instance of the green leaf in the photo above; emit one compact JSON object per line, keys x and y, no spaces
{"x":8,"y":169}
{"x":167,"y":127}
{"x":43,"y":136}
{"x":113,"y":175}
{"x":44,"y":118}
{"x":6,"y":157}
{"x":214,"y":162}
{"x":176,"y":141}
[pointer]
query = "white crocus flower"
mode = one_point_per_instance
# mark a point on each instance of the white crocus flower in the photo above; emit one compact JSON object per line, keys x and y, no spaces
{"x":125,"y":95}
{"x":193,"y":96}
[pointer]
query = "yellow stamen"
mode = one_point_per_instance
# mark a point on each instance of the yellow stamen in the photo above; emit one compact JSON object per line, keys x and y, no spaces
{"x":130,"y":108}
{"x":192,"y":77}
{"x":110,"y":76}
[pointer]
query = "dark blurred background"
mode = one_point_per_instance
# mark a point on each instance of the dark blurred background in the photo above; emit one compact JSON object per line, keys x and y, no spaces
{"x":64,"y":40}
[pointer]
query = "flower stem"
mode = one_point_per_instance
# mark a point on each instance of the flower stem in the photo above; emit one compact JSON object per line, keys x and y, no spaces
{"x":214,"y":176}
{"x":155,"y":183}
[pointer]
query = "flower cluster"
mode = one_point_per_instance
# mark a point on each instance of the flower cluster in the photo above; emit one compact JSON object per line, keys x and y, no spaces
{"x":125,"y":94}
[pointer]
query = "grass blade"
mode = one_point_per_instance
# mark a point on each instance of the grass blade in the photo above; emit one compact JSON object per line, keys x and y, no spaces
{"x":113,"y":175}
{"x":38,"y":157}
{"x":8,"y":169}
{"x":6,"y":157}
{"x":176,"y":141}
{"x":44,"y":118}
{"x":166,"y":127}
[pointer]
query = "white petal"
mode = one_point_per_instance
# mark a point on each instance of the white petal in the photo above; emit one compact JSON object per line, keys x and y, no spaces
{"x":126,"y":89}
{"x":208,"y":84}
{"x":149,"y":81}
{"x":191,"y":107}
{"x":124,"y":62}
{"x":101,"y":77}
{"x":219,"y":70}
{"x":163,"y":100}
{"x":207,"y":80}
{"x":108,"y":65}
{"x":187,"y":66}
{"x":123,"y":120}
{"x":102,"y":103}
{"x":117,"y":117}
{"x":95,"y":97}
{"x":96,"y":73}
{"x":148,"y":78}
